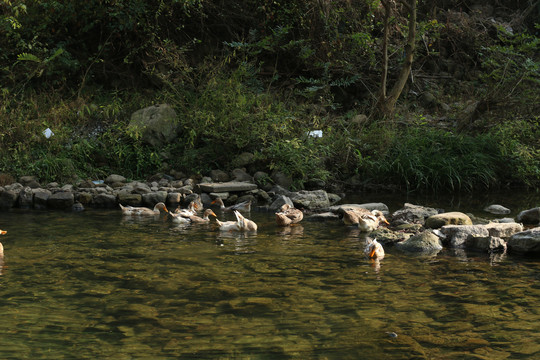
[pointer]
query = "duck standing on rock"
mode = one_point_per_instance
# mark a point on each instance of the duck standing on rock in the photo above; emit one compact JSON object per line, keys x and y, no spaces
{"x":288,"y":215}
{"x":143,"y":211}
{"x":366,"y":220}
{"x":374,"y":250}
{"x":244,"y":206}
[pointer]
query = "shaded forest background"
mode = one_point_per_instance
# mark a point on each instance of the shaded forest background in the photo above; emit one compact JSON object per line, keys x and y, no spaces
{"x":257,"y":76}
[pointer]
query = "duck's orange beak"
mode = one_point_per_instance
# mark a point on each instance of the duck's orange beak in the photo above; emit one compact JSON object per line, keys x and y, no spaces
{"x":213,"y":214}
{"x":372,"y":252}
{"x":3,"y":232}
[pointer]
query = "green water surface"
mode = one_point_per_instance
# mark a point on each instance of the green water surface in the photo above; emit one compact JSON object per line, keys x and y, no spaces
{"x":95,"y":285}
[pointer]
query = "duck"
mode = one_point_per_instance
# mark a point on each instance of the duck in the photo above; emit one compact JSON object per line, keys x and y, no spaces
{"x":245,"y":224}
{"x":241,"y":224}
{"x":191,"y":210}
{"x":204,"y":219}
{"x":242,"y":206}
{"x":2,"y":232}
{"x":363,"y":218}
{"x":370,"y":222}
{"x":143,"y":211}
{"x":374,"y":250}
{"x":288,"y":215}
{"x":228,"y":225}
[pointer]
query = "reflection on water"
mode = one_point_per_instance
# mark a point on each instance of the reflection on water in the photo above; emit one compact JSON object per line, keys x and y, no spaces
{"x":95,"y":285}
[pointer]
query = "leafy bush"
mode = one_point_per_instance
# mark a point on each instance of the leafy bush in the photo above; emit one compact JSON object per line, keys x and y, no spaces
{"x":432,"y":159}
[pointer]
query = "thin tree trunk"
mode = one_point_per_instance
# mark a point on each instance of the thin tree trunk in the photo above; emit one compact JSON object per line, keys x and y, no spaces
{"x":386,"y":103}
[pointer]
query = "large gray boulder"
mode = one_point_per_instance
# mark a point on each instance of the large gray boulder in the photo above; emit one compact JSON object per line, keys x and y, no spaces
{"x":317,"y":199}
{"x":530,"y":216}
{"x":456,"y":235}
{"x":40,"y":198}
{"x":105,"y":201}
{"x":525,"y":242}
{"x":8,"y":198}
{"x":61,"y":200}
{"x":157,"y":124}
{"x":153,"y":198}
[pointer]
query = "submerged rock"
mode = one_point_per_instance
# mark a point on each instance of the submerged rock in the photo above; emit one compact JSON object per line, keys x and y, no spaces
{"x":425,"y":243}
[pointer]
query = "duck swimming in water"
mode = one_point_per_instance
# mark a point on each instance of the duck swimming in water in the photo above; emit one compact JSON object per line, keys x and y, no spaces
{"x":204,"y":219}
{"x":241,"y":224}
{"x":374,"y":250}
{"x":143,"y":211}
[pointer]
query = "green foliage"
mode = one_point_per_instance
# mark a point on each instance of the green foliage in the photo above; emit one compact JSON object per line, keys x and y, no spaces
{"x":300,"y":159}
{"x":512,"y":69}
{"x":228,"y":115}
{"x":520,"y":146}
{"x":423,"y":158}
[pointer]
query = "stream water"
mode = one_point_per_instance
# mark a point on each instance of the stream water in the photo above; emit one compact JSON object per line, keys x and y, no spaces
{"x":95,"y":285}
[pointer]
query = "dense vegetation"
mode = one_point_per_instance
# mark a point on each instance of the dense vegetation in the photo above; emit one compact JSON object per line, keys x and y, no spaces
{"x":257,"y":75}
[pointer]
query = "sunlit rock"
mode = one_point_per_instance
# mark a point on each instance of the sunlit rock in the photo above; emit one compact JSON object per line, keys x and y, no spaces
{"x":504,"y":230}
{"x":448,"y":218}
{"x":488,"y":243}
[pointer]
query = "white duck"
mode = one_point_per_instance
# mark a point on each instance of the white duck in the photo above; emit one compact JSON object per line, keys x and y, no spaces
{"x":370,"y":222}
{"x":241,"y":224}
{"x":374,"y":250}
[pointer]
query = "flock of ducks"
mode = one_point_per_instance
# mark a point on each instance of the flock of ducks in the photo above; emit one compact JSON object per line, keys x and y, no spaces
{"x":365,"y":220}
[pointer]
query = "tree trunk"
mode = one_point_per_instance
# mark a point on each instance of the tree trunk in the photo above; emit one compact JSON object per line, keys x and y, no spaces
{"x":386,"y":103}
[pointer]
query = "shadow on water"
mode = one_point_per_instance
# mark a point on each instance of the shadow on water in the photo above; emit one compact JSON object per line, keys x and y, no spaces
{"x":96,"y":285}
